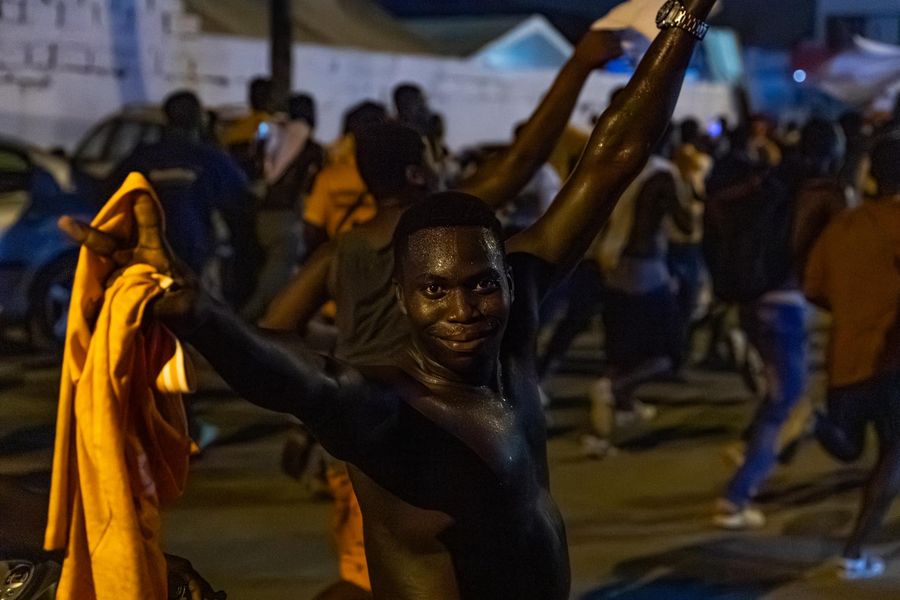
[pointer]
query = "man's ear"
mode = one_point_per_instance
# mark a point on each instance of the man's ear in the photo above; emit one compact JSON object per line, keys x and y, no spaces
{"x":511,"y":283}
{"x":398,"y":293}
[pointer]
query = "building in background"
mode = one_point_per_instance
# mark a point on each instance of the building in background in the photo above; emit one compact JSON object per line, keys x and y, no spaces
{"x":66,"y":64}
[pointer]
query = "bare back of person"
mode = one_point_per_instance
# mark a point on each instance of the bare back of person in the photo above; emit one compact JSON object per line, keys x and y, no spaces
{"x":655,"y":200}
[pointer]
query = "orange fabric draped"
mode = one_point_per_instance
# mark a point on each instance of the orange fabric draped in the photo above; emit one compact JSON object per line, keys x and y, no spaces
{"x":122,"y":446}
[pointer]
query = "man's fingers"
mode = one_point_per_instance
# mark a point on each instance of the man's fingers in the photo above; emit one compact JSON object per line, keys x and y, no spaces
{"x":96,"y":241}
{"x":149,"y":222}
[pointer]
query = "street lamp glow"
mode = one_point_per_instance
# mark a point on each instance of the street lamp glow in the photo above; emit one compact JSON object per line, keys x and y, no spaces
{"x":799,"y":75}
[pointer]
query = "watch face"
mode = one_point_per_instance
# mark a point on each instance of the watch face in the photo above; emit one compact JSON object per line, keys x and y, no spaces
{"x":662,"y":17}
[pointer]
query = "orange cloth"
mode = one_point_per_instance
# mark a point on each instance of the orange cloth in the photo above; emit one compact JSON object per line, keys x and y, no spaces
{"x":339,"y":189}
{"x":347,"y":527}
{"x":854,"y":269}
{"x":121,"y":435}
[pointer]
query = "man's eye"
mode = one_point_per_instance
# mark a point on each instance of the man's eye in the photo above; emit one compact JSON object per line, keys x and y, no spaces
{"x":433,"y":290}
{"x":487,"y":285}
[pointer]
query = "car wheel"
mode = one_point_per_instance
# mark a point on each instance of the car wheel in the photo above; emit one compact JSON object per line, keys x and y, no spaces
{"x":50,"y":298}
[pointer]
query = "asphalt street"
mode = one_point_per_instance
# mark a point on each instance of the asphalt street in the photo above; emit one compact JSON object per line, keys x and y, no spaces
{"x":638,"y":521}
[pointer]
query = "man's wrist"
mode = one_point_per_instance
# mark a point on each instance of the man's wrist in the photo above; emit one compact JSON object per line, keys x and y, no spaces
{"x":186,"y":324}
{"x":581,"y":65}
{"x":699,"y":8}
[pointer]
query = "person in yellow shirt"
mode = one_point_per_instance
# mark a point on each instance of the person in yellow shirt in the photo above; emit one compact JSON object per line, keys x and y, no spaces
{"x":339,"y":200}
{"x":761,"y":147}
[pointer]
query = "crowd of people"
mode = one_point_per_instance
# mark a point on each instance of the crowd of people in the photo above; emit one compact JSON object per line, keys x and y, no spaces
{"x":426,"y":304}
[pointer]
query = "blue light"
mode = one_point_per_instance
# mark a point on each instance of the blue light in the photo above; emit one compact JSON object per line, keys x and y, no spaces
{"x":799,"y":75}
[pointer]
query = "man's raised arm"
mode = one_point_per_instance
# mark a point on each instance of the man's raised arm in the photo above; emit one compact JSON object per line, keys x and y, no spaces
{"x":502,"y":178}
{"x":618,"y":149}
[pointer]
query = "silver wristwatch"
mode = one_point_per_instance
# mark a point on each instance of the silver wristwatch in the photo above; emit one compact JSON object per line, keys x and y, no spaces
{"x":674,"y":14}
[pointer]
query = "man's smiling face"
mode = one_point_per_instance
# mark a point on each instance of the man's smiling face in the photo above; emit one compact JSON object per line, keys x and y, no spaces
{"x":455,"y":290}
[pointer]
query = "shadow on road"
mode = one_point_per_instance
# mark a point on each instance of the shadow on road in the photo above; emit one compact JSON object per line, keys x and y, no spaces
{"x":675,"y":433}
{"x":27,"y":439}
{"x":732,"y":569}
{"x":815,"y":490}
{"x":252,"y":433}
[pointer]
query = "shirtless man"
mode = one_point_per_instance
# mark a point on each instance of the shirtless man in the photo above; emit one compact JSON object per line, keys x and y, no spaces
{"x":448,"y":446}
{"x":357,"y":268}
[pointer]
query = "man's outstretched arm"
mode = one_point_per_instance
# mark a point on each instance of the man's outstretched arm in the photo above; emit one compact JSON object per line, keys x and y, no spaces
{"x":271,"y":370}
{"x":618,"y":149}
{"x":502,"y":178}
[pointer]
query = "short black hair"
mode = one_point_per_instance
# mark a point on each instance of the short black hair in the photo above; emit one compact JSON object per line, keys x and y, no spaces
{"x":260,"y":90}
{"x":405,"y":93}
{"x":383,"y":153}
{"x":443,"y":209}
{"x":885,"y":167}
{"x":852,"y":122}
{"x":690,"y":131}
{"x":183,"y":111}
{"x":820,"y":139}
{"x":362,"y":115}
{"x":302,"y":107}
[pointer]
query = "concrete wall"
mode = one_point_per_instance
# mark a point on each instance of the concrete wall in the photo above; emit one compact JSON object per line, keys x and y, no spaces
{"x":64,"y":64}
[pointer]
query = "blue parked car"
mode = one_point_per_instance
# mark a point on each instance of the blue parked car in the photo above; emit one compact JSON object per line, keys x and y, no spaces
{"x":37,"y":261}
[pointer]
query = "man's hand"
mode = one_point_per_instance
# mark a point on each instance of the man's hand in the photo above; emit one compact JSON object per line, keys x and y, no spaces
{"x":179,"y":303}
{"x":597,"y":48}
{"x":185,"y":582}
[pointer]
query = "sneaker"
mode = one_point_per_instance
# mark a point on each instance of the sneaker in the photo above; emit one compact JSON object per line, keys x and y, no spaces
{"x":737,"y":345}
{"x":645,"y":412}
{"x":866,"y":566}
{"x":730,"y":516}
{"x":596,"y":447}
{"x":603,"y":419}
{"x":640,"y":413}
{"x":545,"y":398}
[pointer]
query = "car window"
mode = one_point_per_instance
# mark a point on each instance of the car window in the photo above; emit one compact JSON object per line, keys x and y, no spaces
{"x":123,"y":142}
{"x":93,"y":148}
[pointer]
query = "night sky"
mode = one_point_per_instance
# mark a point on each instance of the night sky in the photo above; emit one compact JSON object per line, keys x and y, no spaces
{"x":760,"y":22}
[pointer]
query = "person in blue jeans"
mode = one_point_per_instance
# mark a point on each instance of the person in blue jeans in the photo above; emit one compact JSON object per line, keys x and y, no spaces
{"x":776,"y":326}
{"x":776,"y":322}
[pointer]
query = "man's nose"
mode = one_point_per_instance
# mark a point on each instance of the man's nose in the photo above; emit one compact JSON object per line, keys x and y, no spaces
{"x":463,"y":306}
